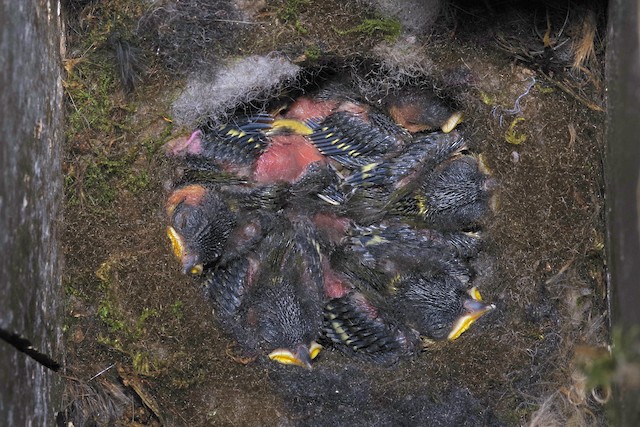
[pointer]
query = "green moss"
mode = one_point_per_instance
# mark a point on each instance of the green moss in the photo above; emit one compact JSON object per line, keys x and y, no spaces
{"x":97,"y":181}
{"x":90,"y":87}
{"x":545,"y":89}
{"x":290,"y":12}
{"x":110,"y":342}
{"x":313,"y":53}
{"x":390,"y":28}
{"x":605,"y":368}
{"x":109,"y":315}
{"x":487,"y":99}
{"x":142,"y":363}
{"x":97,"y":185}
{"x":72,"y":290}
{"x":176,"y":310}
{"x":138,"y":329}
{"x":137,"y":181}
{"x":153,"y":144}
{"x":291,"y":9}
{"x":116,"y":322}
{"x":300,"y":28}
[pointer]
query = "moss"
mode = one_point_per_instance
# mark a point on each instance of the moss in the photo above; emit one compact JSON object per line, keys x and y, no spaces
{"x":291,"y":10}
{"x":487,"y":98}
{"x":97,"y":185}
{"x":390,"y":28}
{"x":606,"y":368}
{"x":109,"y":315}
{"x":545,"y":89}
{"x":89,"y":88}
{"x":98,"y":180}
{"x":110,"y":342}
{"x":137,"y":181}
{"x":290,"y":14}
{"x":117,"y":322}
{"x":96,"y":105}
{"x":153,"y":144}
{"x":73,"y":290}
{"x":176,"y":309}
{"x":138,"y":329}
{"x":301,"y":28}
{"x":142,"y":363}
{"x":313,"y":53}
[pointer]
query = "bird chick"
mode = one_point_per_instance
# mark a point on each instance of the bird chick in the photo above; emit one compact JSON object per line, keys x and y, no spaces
{"x":212,"y":225}
{"x":286,"y":159}
{"x":396,"y":248}
{"x":419,"y":110}
{"x":438,"y":306}
{"x":349,"y":132}
{"x":231,"y":147}
{"x":286,"y":324}
{"x":356,"y":139}
{"x":421,"y":157}
{"x":377,"y":187}
{"x":281,"y":315}
{"x":201,"y":223}
{"x":453,"y":197}
{"x":261,"y":149}
{"x":356,"y":323}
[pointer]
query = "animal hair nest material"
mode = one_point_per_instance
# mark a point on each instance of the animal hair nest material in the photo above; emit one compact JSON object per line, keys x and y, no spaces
{"x":245,"y":81}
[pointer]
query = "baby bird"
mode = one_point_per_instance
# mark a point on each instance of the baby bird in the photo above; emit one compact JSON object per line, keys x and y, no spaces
{"x":231,"y":147}
{"x":356,"y":139}
{"x":211,"y":225}
{"x":357,"y":323}
{"x":281,"y":315}
{"x":418,"y":110}
{"x":419,"y":158}
{"x":455,"y":196}
{"x":397,"y":248}
{"x":201,"y":224}
{"x":438,"y":306}
{"x":258,"y":148}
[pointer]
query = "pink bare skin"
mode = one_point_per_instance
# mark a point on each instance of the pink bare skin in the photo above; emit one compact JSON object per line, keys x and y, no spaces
{"x":334,"y":286}
{"x":286,"y":159}
{"x":183,"y":145}
{"x":306,"y":108}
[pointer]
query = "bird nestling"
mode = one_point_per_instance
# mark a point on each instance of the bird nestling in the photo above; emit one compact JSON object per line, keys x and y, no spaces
{"x":330,"y":222}
{"x":281,"y":313}
{"x":438,"y":306}
{"x":358,"y":323}
{"x":212,"y":225}
{"x":201,"y":223}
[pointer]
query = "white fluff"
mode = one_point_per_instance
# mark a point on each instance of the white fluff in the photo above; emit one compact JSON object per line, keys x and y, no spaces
{"x":240,"y":81}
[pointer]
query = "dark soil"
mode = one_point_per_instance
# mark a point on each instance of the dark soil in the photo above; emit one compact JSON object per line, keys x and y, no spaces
{"x":130,"y":309}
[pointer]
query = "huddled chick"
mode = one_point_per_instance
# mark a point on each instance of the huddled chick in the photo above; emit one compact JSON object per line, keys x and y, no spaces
{"x":331,"y":222}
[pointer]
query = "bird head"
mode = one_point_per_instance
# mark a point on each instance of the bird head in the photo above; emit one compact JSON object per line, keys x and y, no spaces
{"x":440,"y":306}
{"x":285,"y":308}
{"x":301,"y":356}
{"x":200,"y":225}
{"x":473,"y":308}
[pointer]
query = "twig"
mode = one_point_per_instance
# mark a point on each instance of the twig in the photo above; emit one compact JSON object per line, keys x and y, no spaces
{"x":102,"y":372}
{"x":589,"y":104}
